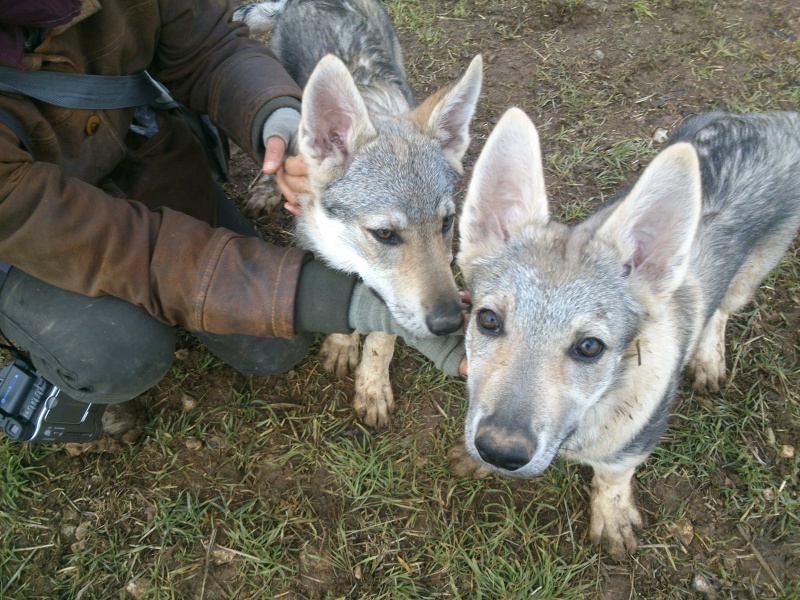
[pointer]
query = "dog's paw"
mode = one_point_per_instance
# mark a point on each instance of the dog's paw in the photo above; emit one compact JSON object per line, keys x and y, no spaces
{"x":374,"y":401}
{"x":615,"y":518}
{"x":707,"y":376}
{"x":264,"y":197}
{"x":339,"y":353}
{"x":707,"y":365}
{"x":463,"y":465}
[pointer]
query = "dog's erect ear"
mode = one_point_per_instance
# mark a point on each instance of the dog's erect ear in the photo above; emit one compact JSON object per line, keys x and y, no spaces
{"x":447,"y":113}
{"x":655,"y":225}
{"x":335,"y":122}
{"x":507,"y":190}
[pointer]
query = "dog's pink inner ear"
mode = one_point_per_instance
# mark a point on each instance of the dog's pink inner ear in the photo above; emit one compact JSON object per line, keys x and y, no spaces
{"x":332,"y":140}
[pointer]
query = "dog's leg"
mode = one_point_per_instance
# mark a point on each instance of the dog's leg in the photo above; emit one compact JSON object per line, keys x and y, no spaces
{"x":374,"y":401}
{"x":707,"y":365}
{"x":339,"y":353}
{"x":264,"y":197}
{"x":614,"y":512}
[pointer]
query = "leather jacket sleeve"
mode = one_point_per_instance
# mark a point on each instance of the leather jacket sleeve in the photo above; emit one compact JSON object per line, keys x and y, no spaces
{"x":181,"y":270}
{"x":58,"y":226}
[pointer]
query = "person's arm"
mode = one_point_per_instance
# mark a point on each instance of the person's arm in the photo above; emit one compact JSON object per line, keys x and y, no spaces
{"x":182,"y":271}
{"x":210,"y":64}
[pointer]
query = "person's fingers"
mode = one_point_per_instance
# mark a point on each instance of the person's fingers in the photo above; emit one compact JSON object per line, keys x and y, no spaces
{"x":273,"y":155}
{"x":465,"y":296}
{"x":292,"y":208}
{"x":462,"y":367}
{"x":296,"y":167}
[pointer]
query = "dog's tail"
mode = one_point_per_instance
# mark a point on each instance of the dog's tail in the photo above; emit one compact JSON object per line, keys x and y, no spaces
{"x":260,"y":17}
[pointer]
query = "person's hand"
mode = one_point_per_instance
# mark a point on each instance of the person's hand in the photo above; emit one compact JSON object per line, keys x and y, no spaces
{"x":273,"y":155}
{"x":292,"y":179}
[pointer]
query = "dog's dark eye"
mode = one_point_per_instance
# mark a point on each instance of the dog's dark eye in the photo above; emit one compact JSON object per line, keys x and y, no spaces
{"x":385,"y":236}
{"x":489,"y":322}
{"x":447,"y":224}
{"x":588,"y":348}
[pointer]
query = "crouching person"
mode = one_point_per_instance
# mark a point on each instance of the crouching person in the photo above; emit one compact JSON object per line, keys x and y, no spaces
{"x":113,"y":232}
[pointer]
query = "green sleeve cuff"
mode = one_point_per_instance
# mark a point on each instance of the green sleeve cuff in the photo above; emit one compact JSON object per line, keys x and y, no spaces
{"x":257,"y":129}
{"x":322,"y":302}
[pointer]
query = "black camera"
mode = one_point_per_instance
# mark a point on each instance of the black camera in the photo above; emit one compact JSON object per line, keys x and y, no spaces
{"x":33,"y":410}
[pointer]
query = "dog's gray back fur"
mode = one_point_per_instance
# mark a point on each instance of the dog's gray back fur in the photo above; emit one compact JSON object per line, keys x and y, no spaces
{"x":359,"y":32}
{"x":750,"y":171}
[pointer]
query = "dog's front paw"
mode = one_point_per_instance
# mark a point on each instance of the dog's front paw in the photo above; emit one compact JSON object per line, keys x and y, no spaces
{"x":707,"y":375}
{"x":463,"y":465}
{"x":264,"y":197}
{"x":707,"y":366}
{"x":374,"y":401}
{"x":615,"y":517}
{"x":339,"y":353}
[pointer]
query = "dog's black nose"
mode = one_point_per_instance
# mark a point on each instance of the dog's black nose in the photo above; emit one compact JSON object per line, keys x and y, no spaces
{"x":445,"y":318}
{"x":506,"y":456}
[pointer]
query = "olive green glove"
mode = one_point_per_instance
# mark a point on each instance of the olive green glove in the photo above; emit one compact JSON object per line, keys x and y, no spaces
{"x":329,"y":301}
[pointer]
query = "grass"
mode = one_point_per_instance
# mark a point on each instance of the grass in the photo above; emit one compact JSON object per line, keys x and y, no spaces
{"x":248,"y":487}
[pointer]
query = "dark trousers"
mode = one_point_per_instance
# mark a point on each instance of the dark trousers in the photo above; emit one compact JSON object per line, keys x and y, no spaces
{"x":106,"y":350}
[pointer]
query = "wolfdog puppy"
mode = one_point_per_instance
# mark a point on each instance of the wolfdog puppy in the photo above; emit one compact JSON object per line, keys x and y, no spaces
{"x":578,"y":335}
{"x":381,"y":173}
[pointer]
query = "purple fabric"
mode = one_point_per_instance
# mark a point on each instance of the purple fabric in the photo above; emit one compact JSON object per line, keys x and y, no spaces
{"x":30,"y":13}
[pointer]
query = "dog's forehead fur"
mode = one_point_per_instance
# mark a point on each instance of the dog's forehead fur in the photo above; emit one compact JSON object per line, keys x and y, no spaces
{"x":417,"y":189}
{"x":562,"y":279}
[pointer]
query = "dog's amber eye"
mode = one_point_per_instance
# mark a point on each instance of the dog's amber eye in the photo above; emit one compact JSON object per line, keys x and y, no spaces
{"x":489,"y":322}
{"x":447,"y":224}
{"x":589,"y":348}
{"x":385,"y":236}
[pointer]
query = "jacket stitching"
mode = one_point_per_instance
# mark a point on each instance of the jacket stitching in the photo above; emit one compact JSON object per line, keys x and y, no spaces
{"x":275,"y":294}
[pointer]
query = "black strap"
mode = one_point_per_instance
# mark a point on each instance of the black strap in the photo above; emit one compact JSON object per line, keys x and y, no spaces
{"x":9,"y":121}
{"x":76,"y":90}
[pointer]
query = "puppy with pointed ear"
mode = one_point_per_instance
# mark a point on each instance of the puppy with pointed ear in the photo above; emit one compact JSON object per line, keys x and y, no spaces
{"x":446,"y":114}
{"x":507,"y":191}
{"x":335,"y":122}
{"x":654,"y":226}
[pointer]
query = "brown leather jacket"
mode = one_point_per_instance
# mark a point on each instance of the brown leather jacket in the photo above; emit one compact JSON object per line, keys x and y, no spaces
{"x":158,"y":250}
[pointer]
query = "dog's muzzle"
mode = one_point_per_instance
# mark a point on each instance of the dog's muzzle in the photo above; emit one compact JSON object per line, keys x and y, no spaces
{"x":504,"y":448}
{"x":445,"y":318}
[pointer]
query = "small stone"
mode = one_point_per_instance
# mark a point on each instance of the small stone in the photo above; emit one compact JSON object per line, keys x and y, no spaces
{"x":683,"y":530}
{"x":182,"y":354}
{"x":701,"y":584}
{"x":188,"y":403}
{"x":660,"y":135}
{"x":786,"y":451}
{"x":770,"y":436}
{"x":193,"y":444}
{"x":221,"y":556}
{"x":598,"y":55}
{"x":769,"y":494}
{"x":138,"y":587}
{"x":78,"y":546}
{"x":83,"y":530}
{"x":68,"y":533}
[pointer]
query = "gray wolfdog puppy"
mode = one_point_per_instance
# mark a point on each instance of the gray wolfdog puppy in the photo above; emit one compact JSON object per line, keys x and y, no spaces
{"x":578,"y":335}
{"x":381,"y":173}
